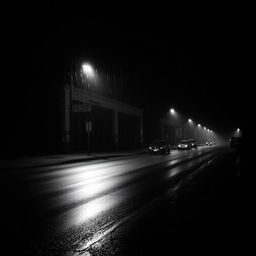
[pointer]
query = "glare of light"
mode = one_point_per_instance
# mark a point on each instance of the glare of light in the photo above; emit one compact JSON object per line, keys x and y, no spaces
{"x":199,"y":125}
{"x":174,"y":171}
{"x":208,"y":130}
{"x":172,"y":111}
{"x":238,"y":130}
{"x":89,"y":210}
{"x":189,"y":120}
{"x":88,"y":70}
{"x":204,"y":128}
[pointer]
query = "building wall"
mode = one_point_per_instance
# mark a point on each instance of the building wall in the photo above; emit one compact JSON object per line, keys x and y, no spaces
{"x":172,"y":134}
{"x":101,"y":136}
{"x":115,"y":125}
{"x":129,"y":131}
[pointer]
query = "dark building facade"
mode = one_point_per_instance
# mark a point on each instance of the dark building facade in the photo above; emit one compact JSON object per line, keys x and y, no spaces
{"x":95,"y":122}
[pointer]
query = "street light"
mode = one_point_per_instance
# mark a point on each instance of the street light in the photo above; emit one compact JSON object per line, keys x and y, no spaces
{"x":89,"y":76}
{"x":172,"y":111}
{"x":89,"y":73}
{"x":88,"y":70}
{"x":191,"y":127}
{"x":199,"y":125}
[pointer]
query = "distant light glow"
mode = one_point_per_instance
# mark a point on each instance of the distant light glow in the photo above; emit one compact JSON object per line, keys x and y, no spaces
{"x":172,"y":111}
{"x":204,"y":128}
{"x":190,"y":121}
{"x":199,"y":125}
{"x":238,"y":130}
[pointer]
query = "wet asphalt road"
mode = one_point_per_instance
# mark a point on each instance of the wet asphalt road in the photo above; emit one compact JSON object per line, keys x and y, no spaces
{"x":203,"y":217}
{"x":78,"y":209}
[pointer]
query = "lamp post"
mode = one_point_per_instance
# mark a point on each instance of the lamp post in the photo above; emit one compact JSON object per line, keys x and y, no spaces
{"x":198,"y":129}
{"x":89,"y":74}
{"x":176,"y":129}
{"x":190,"y":125}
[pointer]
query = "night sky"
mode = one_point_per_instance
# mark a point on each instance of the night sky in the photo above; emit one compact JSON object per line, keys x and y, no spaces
{"x":191,"y":60}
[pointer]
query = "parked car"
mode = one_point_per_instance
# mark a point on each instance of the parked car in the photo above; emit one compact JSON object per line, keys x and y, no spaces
{"x":209,"y":143}
{"x":184,"y":145}
{"x":159,"y":147}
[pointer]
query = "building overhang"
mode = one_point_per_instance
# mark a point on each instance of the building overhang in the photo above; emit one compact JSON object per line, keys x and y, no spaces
{"x":84,"y":96}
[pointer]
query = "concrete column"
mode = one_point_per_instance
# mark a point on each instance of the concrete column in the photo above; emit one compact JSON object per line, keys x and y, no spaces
{"x":115,"y":128}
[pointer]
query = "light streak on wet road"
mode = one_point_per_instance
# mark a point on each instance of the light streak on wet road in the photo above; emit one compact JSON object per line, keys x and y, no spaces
{"x":91,"y":195}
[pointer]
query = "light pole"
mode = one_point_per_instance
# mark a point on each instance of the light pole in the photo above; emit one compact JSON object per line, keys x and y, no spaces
{"x":198,"y":133}
{"x":176,"y":129}
{"x":89,"y":74}
{"x":190,"y":125}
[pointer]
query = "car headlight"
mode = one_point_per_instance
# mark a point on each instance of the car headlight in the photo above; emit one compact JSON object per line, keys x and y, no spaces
{"x":185,"y":146}
{"x":179,"y":145}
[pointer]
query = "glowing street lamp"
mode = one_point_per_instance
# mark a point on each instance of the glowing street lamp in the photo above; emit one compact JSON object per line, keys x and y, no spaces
{"x":191,"y":128}
{"x":199,"y":125}
{"x":88,"y":70}
{"x":172,"y":111}
{"x":89,"y":73}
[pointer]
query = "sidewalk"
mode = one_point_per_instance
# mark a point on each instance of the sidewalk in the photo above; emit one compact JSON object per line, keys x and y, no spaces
{"x":56,"y":159}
